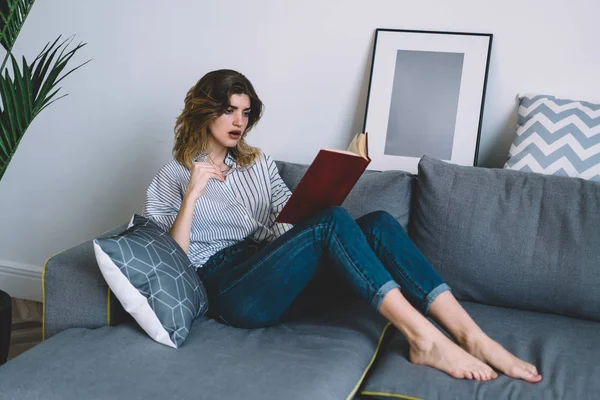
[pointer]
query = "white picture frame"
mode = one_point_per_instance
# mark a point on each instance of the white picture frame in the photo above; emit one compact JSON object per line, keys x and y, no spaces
{"x":426,"y":97}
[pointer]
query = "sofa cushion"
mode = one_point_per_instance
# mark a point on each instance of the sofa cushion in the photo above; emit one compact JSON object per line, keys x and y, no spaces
{"x":557,"y":136}
{"x":74,"y":291}
{"x":321,"y":357}
{"x":565,"y":351}
{"x":153,"y":279}
{"x":375,"y":190}
{"x":511,"y":238}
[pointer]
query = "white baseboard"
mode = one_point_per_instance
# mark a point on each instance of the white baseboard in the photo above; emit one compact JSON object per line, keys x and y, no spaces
{"x":21,"y":280}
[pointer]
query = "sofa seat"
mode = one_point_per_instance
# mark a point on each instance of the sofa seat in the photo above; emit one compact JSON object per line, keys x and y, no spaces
{"x":321,"y":357}
{"x":565,"y":350}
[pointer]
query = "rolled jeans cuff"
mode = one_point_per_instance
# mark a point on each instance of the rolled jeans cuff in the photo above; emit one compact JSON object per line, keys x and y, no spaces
{"x":432,"y":296}
{"x":383,"y":290}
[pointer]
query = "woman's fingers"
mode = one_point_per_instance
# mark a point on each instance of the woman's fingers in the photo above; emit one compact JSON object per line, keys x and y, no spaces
{"x":218,"y":172}
{"x":208,"y":170}
{"x":218,"y":176}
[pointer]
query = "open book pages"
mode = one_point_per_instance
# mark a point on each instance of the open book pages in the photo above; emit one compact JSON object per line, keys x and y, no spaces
{"x":358,"y":147}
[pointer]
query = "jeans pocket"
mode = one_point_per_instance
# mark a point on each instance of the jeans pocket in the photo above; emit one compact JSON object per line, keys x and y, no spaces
{"x":242,"y":252}
{"x":218,"y":260}
{"x":213,"y":264}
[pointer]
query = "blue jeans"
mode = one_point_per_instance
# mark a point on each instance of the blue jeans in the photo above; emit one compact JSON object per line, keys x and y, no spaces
{"x":252,"y":284}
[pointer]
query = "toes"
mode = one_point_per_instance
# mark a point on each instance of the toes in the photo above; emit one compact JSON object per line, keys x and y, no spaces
{"x":526,"y":372}
{"x":488,"y":374}
{"x":476,"y":376}
{"x":532,"y":369}
{"x":515,"y":372}
{"x":485,"y":375}
{"x":534,"y":375}
{"x":534,"y":378}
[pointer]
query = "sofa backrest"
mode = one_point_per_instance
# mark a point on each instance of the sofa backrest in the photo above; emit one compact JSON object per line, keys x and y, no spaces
{"x":387,"y":190}
{"x":510,"y":238}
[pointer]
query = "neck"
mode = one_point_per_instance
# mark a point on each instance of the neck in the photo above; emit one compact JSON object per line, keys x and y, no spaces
{"x":218,"y":154}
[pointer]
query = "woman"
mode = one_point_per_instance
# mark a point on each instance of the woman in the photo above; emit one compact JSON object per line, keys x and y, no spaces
{"x":219,"y":197}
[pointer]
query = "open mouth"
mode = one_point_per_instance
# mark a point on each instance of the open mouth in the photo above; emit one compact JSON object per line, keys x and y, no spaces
{"x":235,"y":134}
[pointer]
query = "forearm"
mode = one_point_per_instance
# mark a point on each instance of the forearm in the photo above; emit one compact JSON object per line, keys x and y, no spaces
{"x":180,"y":231}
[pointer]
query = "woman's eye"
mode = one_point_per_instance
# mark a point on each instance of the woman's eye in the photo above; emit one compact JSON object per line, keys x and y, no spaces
{"x":228,"y":111}
{"x":247,"y":113}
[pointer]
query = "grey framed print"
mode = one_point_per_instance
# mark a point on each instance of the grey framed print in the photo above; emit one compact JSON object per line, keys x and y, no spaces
{"x":426,"y":97}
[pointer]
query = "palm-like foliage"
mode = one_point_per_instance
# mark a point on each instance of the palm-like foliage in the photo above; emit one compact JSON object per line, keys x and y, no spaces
{"x":32,"y":87}
{"x":12,"y":17}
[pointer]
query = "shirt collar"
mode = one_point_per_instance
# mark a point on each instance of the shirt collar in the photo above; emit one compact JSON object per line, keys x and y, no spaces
{"x":229,"y":158}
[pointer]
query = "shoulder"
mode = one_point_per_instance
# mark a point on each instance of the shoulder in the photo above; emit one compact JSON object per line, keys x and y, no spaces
{"x":173,"y":167}
{"x":264,"y":158}
{"x":259,"y":161}
{"x":267,"y":164}
{"x":171,"y":173}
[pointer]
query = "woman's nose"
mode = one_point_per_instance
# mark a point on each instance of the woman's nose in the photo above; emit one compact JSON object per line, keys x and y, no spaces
{"x":237,"y":120}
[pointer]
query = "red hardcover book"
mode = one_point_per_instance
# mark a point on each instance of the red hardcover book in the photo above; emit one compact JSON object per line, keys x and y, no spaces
{"x":327,"y":181}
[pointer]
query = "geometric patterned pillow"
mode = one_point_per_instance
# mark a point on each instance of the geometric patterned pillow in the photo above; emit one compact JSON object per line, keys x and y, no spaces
{"x":557,"y":137}
{"x":153,"y":279}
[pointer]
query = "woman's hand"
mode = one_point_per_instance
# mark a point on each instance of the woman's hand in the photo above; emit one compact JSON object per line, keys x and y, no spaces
{"x":201,"y":173}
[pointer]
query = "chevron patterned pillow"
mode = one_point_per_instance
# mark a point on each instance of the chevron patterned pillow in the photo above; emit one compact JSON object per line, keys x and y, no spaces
{"x":557,"y":137}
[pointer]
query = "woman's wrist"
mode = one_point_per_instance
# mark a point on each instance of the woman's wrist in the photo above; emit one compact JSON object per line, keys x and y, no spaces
{"x":189,"y":199}
{"x":180,"y":231}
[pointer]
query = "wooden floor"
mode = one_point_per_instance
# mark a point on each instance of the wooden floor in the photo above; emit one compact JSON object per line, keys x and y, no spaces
{"x":26,"y":326}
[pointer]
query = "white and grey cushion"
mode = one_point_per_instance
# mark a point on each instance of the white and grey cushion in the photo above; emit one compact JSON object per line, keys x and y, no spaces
{"x":557,"y":137}
{"x":153,"y":279}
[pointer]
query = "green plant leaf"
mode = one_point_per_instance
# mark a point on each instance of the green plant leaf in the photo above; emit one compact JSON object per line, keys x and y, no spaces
{"x":7,"y":101}
{"x":31,"y":89}
{"x":19,"y":95}
{"x":28,"y":88}
{"x":13,"y":14}
{"x":44,"y":65}
{"x":4,"y":146}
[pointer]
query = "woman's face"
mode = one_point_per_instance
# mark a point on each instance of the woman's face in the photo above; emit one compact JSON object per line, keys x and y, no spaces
{"x":227,"y":129}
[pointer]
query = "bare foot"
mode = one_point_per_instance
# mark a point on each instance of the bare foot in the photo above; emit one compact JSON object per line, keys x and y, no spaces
{"x":439,"y":352}
{"x":489,"y":351}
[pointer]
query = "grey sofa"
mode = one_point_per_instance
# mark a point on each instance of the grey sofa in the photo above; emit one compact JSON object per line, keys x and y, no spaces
{"x":521,"y":251}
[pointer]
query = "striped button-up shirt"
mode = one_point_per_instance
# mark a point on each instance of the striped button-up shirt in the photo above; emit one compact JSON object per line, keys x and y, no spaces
{"x":246,"y":204}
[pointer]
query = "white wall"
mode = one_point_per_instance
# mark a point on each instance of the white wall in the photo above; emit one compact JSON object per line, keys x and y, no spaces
{"x":84,"y":164}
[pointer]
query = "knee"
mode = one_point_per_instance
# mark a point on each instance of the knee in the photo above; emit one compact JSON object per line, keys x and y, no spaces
{"x":380,"y":215}
{"x":337,"y":213}
{"x":330,"y":220}
{"x":378,"y":218}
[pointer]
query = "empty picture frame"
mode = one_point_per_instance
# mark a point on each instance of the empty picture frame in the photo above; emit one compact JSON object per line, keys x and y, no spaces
{"x":426,"y":97}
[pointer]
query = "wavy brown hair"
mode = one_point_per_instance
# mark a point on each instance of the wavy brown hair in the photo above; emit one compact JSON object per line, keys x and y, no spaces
{"x":207,"y":100}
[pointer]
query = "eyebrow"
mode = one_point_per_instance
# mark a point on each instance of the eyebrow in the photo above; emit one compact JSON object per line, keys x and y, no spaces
{"x":235,"y":108}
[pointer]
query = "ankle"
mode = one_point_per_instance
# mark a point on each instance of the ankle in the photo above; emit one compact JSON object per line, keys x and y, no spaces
{"x":421,"y":343}
{"x":471,"y":338}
